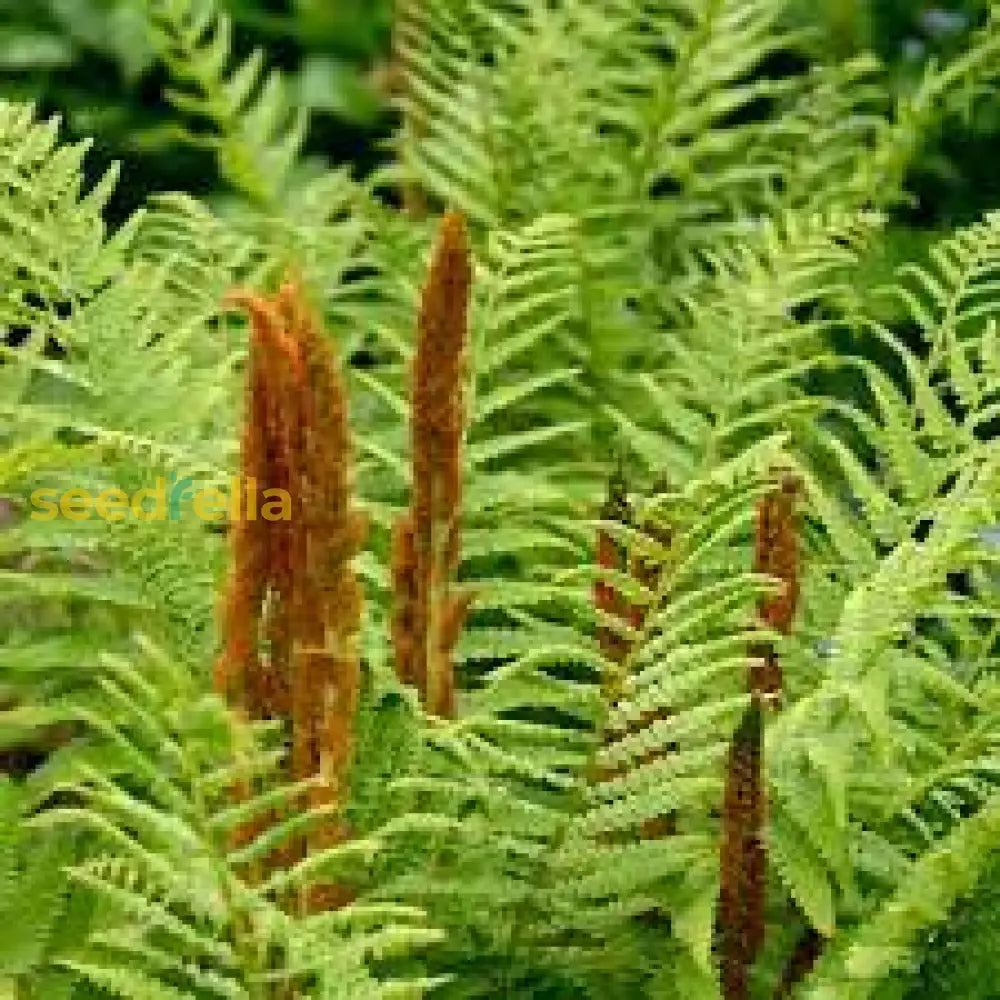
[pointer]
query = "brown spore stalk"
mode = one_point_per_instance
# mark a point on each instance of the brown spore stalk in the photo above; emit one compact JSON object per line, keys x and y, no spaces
{"x":429,"y":607}
{"x":777,"y":555}
{"x":293,"y":606}
{"x":743,"y":861}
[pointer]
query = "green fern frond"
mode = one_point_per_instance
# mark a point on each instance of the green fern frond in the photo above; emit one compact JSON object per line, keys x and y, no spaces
{"x":258,"y":136}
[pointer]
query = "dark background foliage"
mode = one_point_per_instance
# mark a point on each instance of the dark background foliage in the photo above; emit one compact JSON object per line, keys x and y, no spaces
{"x":90,"y":61}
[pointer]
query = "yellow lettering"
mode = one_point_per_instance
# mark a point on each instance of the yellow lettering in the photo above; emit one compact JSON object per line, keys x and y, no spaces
{"x":111,"y":505}
{"x":282,"y":501}
{"x":210,"y":505}
{"x":45,"y":501}
{"x":75,"y":505}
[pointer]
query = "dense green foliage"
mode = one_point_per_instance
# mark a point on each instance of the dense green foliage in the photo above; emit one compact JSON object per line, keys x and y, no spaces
{"x":94,"y":63}
{"x":692,"y":261}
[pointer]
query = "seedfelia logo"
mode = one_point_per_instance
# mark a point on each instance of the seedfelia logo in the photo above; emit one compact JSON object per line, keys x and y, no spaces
{"x":162,"y":502}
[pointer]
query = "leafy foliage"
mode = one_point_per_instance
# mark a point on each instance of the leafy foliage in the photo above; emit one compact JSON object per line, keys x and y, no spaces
{"x":674,"y":216}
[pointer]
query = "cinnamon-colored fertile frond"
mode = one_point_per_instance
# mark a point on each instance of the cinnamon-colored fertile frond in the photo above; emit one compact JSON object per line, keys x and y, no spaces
{"x":438,"y":378}
{"x":778,"y":551}
{"x":777,"y":556}
{"x":743,"y":860}
{"x":292,"y":591}
{"x":427,"y":546}
{"x":744,"y":817}
{"x":404,"y":612}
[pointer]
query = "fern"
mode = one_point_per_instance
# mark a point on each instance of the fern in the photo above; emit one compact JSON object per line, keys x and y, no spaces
{"x":674,"y":750}
{"x":178,"y":905}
